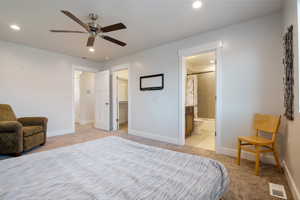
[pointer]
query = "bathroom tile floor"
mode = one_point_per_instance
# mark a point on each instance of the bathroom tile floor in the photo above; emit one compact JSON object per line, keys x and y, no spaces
{"x":205,"y":141}
{"x":203,"y":135}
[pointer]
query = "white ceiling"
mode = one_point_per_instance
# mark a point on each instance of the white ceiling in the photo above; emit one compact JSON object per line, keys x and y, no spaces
{"x":149,"y":22}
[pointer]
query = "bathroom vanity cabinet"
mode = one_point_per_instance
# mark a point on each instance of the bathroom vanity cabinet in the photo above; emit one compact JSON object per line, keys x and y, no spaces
{"x":189,"y":120}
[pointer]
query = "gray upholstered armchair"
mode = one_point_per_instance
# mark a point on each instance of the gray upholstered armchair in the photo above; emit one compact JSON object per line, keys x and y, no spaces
{"x":22,"y":134}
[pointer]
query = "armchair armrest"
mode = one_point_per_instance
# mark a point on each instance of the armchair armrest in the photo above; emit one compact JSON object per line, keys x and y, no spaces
{"x":11,"y":137}
{"x":10,"y":126}
{"x":34,"y":121}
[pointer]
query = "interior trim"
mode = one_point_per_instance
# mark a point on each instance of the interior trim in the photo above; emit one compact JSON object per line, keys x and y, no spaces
{"x":153,"y":136}
{"x":291,"y":182}
{"x":60,"y":132}
{"x":246,"y":155}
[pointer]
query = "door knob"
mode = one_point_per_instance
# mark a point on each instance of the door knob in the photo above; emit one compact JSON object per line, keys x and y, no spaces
{"x":106,"y":103}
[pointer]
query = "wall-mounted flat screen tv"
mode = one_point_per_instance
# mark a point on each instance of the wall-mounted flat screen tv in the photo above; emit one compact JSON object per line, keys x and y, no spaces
{"x":152,"y":82}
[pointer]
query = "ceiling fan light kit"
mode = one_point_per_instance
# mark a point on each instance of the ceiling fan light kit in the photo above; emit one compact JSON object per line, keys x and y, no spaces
{"x":93,"y":29}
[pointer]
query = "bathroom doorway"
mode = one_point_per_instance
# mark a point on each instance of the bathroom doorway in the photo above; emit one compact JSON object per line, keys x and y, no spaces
{"x":200,"y":103}
{"x":120,"y":100}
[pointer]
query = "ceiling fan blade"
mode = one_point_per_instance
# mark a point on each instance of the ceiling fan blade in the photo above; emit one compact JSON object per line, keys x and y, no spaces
{"x":90,"y":41}
{"x":65,"y":31}
{"x":73,"y":17}
{"x":113,"y":40}
{"x":113,"y":27}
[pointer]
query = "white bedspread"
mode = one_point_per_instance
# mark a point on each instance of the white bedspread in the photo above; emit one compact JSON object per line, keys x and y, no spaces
{"x":111,"y":169}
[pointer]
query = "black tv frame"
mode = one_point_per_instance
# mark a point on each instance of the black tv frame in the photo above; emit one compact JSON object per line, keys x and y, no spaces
{"x":152,"y":88}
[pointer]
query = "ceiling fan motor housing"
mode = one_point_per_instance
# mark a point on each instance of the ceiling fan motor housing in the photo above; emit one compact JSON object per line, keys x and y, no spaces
{"x":93,"y":16}
{"x":94,"y":27}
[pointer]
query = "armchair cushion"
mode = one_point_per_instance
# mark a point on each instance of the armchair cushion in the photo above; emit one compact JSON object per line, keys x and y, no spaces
{"x":34,"y":121}
{"x":31,"y":130}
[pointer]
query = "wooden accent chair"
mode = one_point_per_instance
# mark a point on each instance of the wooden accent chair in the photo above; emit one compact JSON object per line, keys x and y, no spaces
{"x":266,"y":124}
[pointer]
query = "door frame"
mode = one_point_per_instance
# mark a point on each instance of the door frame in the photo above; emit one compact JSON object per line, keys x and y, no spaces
{"x":114,"y":95}
{"x":83,"y":69}
{"x":183,"y":53}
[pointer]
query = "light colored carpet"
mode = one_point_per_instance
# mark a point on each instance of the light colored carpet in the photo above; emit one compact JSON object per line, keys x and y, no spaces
{"x":244,"y":184}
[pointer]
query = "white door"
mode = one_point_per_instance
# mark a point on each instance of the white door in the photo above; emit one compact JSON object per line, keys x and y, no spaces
{"x":102,"y":104}
{"x":115,"y":101}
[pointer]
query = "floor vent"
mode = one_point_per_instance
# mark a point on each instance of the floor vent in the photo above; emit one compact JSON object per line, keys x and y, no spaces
{"x":277,"y":191}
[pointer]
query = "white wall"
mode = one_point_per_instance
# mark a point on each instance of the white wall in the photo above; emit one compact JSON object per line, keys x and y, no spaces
{"x":39,"y":83}
{"x":292,"y":137}
{"x":87,"y":97}
{"x":251,"y":80}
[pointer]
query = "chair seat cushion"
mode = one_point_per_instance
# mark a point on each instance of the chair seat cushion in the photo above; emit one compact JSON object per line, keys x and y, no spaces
{"x":31,"y":130}
{"x":256,"y":140}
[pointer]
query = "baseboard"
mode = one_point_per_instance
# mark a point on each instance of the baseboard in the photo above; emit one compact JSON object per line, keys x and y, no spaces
{"x":60,"y":132}
{"x":291,"y":182}
{"x":221,"y":150}
{"x":84,"y":122}
{"x":152,"y":136}
{"x":246,"y":155}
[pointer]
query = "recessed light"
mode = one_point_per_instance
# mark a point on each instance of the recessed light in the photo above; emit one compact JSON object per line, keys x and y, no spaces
{"x":91,"y":49}
{"x":15,"y":27}
{"x":212,"y":62}
{"x":197,"y":4}
{"x":221,"y":44}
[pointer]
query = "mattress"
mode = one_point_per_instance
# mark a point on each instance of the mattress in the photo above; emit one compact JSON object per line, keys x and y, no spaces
{"x":112,"y":168}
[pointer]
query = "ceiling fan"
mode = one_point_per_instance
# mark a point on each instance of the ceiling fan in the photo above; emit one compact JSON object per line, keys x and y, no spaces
{"x":93,"y":29}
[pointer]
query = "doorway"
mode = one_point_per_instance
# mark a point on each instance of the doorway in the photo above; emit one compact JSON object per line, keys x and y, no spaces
{"x":84,"y":99}
{"x":120,"y":100}
{"x":200,"y":100}
{"x":200,"y":120}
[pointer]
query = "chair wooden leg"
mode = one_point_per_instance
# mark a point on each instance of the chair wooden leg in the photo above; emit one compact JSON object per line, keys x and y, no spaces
{"x":239,"y":152}
{"x":257,"y":164}
{"x":277,"y":159}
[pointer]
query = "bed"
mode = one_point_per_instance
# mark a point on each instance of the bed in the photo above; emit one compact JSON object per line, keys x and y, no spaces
{"x":112,"y":168}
